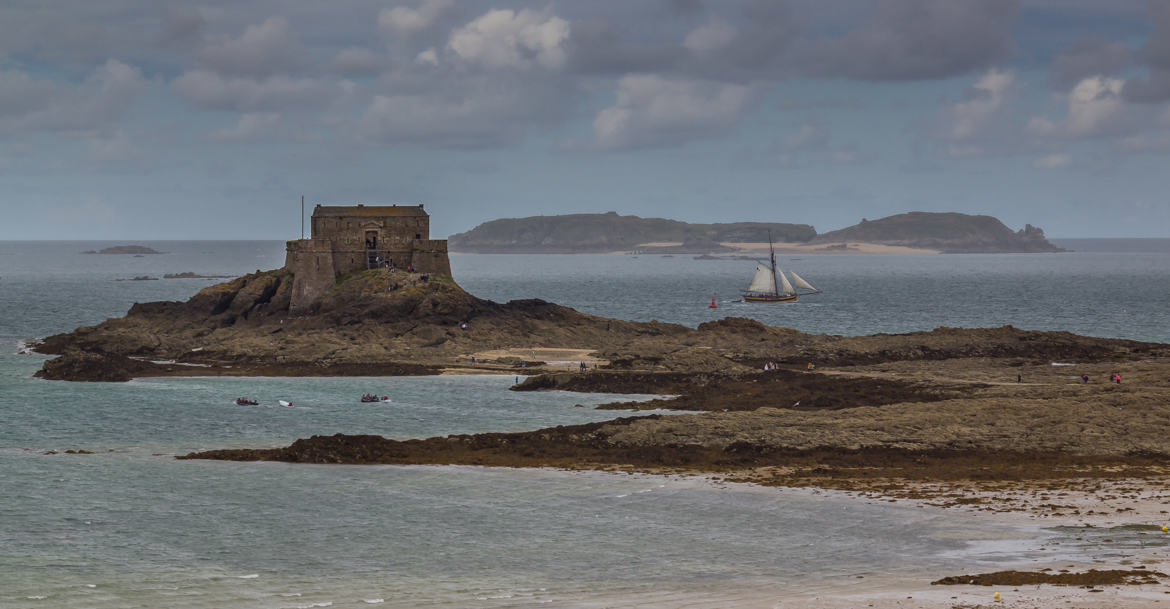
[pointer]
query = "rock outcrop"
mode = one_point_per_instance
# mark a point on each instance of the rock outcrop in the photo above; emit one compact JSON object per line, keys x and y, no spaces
{"x":393,"y":322}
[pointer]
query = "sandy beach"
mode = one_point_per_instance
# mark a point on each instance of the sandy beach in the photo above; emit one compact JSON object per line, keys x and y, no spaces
{"x":842,"y":247}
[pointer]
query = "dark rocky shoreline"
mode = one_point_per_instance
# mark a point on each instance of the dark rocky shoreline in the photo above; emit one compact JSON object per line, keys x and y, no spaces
{"x":948,"y":404}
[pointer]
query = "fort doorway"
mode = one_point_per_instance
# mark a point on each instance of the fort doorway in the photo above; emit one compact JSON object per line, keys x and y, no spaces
{"x":371,"y":239}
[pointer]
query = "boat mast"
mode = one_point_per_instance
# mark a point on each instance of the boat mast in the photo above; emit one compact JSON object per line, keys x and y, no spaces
{"x":772,"y":254}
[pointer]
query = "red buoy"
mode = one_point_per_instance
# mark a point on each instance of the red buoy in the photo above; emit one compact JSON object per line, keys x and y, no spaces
{"x":713,"y":305}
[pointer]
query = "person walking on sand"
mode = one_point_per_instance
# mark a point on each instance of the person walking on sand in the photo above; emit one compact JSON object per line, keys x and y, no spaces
{"x":1085,"y":379}
{"x":1117,"y":377}
{"x":1019,"y":377}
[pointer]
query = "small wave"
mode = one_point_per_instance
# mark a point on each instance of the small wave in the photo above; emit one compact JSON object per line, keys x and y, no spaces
{"x":311,"y":605}
{"x":1062,"y":364}
{"x":373,"y":601}
{"x":37,"y":597}
{"x":249,"y":576}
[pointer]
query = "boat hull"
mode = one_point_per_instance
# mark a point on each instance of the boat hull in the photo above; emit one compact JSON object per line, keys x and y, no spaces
{"x":769,"y":297}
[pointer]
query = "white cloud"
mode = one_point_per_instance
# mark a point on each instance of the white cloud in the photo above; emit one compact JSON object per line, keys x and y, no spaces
{"x":1094,"y":108}
{"x":710,"y":37}
{"x":268,"y":48}
{"x":249,"y":127}
{"x":1053,"y":161}
{"x":507,"y":39}
{"x":652,"y":110}
{"x":808,"y":136}
{"x":405,"y":21}
{"x":427,"y":58}
{"x":1092,"y":103}
{"x":986,"y":97}
{"x":210,"y":90}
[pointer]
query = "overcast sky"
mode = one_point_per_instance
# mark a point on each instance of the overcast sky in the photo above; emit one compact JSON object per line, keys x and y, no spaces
{"x":141,"y":119}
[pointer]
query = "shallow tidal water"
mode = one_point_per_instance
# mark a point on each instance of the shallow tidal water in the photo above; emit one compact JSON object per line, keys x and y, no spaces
{"x":127,"y":525}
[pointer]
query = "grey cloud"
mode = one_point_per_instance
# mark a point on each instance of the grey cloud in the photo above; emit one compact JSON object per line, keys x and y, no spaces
{"x":1151,"y":88}
{"x":1156,"y":50}
{"x":182,"y":29}
{"x":916,"y":39}
{"x":214,"y":91}
{"x":355,"y":61}
{"x":21,"y":94}
{"x":474,"y":111}
{"x":750,"y":45}
{"x":265,"y":49}
{"x":1155,"y":55}
{"x":595,"y":47}
{"x":93,"y":106}
{"x":684,"y":7}
{"x":1088,"y":56}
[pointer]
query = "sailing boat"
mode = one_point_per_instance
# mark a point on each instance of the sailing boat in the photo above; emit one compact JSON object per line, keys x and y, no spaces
{"x":763,"y":285}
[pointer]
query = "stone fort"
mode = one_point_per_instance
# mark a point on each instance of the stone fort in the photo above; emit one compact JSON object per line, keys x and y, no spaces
{"x":345,"y":238}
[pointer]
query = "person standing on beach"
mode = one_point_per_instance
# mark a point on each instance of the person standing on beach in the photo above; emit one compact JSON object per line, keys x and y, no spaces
{"x":1019,"y":377}
{"x":1085,"y":378}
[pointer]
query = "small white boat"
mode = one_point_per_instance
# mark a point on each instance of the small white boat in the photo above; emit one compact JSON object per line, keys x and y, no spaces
{"x":284,"y":403}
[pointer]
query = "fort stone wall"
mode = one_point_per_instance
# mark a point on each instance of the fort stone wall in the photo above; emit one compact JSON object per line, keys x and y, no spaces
{"x":311,"y":263}
{"x":345,"y":239}
{"x":430,"y":256}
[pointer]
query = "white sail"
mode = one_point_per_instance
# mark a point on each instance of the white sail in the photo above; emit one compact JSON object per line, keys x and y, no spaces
{"x":800,"y":283}
{"x":787,"y":287}
{"x":763,"y":281}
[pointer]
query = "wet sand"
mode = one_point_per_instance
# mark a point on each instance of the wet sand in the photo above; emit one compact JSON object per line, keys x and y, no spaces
{"x":850,"y":247}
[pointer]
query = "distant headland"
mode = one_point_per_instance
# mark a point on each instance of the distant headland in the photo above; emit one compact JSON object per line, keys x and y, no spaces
{"x":921,"y":232}
{"x":124,"y":249}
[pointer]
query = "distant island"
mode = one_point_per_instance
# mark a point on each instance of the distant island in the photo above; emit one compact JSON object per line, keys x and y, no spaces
{"x":951,"y":233}
{"x":924,"y":232}
{"x":124,"y":249}
{"x":609,"y":232}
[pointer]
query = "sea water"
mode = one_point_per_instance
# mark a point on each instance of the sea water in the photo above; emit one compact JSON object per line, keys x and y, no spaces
{"x":124,"y":524}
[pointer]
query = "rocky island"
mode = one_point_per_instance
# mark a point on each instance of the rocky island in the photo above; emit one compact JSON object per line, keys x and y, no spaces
{"x":997,"y":419}
{"x":950,"y":233}
{"x":946,"y":407}
{"x":903,"y":233}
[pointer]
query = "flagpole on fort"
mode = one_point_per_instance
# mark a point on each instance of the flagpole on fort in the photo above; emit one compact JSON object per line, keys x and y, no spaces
{"x":302,"y":216}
